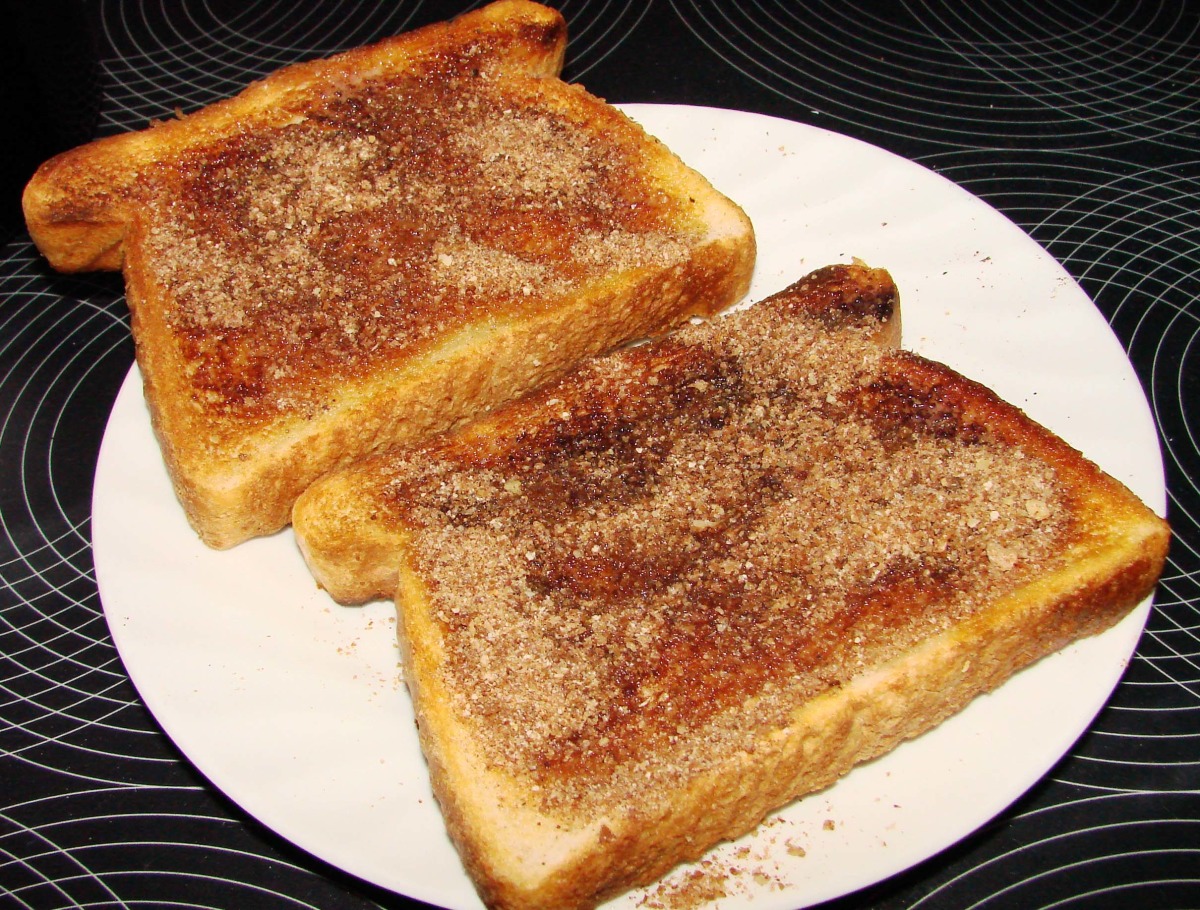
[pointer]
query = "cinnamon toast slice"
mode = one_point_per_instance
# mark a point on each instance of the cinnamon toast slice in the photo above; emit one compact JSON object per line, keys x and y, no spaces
{"x":648,"y":604}
{"x":366,"y":249}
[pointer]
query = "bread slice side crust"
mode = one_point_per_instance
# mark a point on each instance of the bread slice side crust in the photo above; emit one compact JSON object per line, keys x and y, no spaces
{"x":235,"y":488}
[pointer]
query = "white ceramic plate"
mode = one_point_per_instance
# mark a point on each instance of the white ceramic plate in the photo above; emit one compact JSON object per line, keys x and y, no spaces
{"x":294,"y":706}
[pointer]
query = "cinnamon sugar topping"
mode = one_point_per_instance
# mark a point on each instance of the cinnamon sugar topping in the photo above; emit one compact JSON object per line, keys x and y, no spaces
{"x":730,"y":519}
{"x":298,"y":256}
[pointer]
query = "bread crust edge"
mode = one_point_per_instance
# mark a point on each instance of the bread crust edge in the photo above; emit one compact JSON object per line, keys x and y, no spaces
{"x":825,"y":739}
{"x":77,"y":204}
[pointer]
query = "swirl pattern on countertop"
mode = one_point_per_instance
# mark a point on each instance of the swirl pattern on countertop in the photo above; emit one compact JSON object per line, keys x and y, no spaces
{"x":970,"y":75}
{"x":1081,"y":125}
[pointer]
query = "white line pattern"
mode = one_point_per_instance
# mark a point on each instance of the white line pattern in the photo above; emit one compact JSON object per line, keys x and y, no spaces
{"x":1081,"y":124}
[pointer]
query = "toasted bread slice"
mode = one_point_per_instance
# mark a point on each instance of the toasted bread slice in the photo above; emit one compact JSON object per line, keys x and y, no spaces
{"x":652,"y":602}
{"x":351,"y":526}
{"x":366,"y":249}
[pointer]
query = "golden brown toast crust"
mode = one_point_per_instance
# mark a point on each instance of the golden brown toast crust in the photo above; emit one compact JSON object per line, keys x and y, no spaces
{"x":79,"y":203}
{"x":645,"y":606}
{"x":371,"y":248}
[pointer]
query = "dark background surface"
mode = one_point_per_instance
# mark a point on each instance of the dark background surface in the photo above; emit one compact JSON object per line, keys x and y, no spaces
{"x":1078,"y":121}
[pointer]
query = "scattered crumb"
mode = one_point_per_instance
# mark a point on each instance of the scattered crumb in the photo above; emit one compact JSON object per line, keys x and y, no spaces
{"x":712,"y":879}
{"x":740,"y":870}
{"x":696,"y":887}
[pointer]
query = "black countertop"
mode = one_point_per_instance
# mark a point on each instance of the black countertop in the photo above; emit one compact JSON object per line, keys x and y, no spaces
{"x":1080,"y":125}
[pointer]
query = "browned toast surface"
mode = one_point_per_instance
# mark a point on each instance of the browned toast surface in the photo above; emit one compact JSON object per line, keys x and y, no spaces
{"x":80,"y":203}
{"x":367,"y":249}
{"x":646,"y":605}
